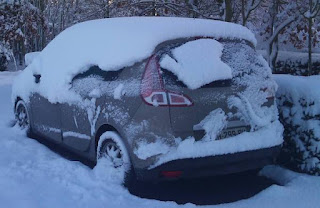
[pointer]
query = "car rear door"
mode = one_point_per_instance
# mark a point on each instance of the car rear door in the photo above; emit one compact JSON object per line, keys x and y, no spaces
{"x":78,"y":119}
{"x":185,"y":118}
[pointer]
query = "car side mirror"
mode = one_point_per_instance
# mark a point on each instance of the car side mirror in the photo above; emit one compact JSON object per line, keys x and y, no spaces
{"x":37,"y":78}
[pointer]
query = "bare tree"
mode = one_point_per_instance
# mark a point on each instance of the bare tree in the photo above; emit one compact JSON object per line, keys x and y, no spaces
{"x":247,"y":7}
{"x":309,"y":12}
{"x":228,"y":10}
{"x":281,"y":15}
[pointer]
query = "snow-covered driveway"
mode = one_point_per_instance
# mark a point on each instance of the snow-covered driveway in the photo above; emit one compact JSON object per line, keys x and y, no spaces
{"x":31,"y":175}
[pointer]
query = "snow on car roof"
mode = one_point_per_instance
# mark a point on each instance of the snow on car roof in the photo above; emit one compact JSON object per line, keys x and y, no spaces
{"x":29,"y":57}
{"x":115,"y":43}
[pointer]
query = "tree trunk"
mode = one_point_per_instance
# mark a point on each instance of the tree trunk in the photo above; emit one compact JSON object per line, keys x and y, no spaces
{"x":43,"y":35}
{"x":275,"y":54}
{"x":310,"y":72}
{"x":191,"y":5}
{"x":106,"y":10}
{"x":62,"y":16}
{"x":243,"y":12}
{"x":228,"y":10}
{"x":154,"y":10}
{"x":272,"y":53}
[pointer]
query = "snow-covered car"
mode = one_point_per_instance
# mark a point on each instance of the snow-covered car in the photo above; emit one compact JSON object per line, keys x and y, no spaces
{"x":164,"y":97}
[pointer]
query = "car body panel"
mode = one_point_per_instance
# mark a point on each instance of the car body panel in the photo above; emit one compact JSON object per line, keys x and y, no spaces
{"x":46,"y":118}
{"x":149,"y":125}
{"x":76,"y":128}
{"x":205,"y":100}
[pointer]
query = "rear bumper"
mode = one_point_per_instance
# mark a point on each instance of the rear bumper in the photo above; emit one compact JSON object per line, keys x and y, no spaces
{"x":213,"y":165}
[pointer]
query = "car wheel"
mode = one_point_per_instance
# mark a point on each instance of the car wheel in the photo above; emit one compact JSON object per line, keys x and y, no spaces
{"x":22,"y":115}
{"x":112,"y":151}
{"x":111,"y":146}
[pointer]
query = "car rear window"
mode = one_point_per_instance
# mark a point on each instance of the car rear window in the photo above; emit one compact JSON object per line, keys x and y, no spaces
{"x":197,"y":62}
{"x":170,"y":79}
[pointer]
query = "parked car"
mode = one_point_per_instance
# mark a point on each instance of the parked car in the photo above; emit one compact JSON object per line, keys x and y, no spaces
{"x":144,"y":113}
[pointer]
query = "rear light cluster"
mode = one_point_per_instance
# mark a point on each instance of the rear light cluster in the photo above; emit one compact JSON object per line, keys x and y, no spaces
{"x":153,"y":91}
{"x":171,"y":174}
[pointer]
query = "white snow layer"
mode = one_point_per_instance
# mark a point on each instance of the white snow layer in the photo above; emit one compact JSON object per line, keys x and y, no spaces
{"x":118,"y":92}
{"x":299,"y":87}
{"x":212,"y":124}
{"x":31,"y":175}
{"x":75,"y":134}
{"x":197,"y":63}
{"x":146,"y":150}
{"x":29,"y":57}
{"x":302,"y":91}
{"x":111,"y":44}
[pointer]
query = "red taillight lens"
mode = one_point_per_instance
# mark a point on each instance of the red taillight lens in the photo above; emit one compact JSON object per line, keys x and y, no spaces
{"x":156,"y":98}
{"x":151,"y":80}
{"x":178,"y":99}
{"x":152,"y":88}
{"x":171,"y":174}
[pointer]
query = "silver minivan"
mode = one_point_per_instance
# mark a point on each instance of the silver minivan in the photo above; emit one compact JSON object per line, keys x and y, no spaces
{"x":143,"y":103}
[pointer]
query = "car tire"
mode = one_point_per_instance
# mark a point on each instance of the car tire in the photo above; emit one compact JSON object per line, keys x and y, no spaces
{"x":22,"y":116}
{"x":111,"y":146}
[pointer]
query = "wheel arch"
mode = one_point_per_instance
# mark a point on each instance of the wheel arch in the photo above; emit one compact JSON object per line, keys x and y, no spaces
{"x":108,"y":127}
{"x":103,"y":128}
{"x":17,"y":99}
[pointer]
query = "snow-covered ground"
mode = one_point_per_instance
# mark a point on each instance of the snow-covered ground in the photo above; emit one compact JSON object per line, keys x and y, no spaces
{"x":31,"y":175}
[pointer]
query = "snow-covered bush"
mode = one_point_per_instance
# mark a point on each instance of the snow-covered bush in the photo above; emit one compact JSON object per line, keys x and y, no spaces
{"x":298,"y":100}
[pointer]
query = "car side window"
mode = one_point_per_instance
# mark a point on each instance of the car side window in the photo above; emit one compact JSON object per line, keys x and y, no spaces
{"x":94,"y":78}
{"x":96,"y":71}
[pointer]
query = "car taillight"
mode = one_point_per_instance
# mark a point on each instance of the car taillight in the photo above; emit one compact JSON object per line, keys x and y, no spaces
{"x":171,"y":174}
{"x":178,"y":99}
{"x":153,"y":91}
